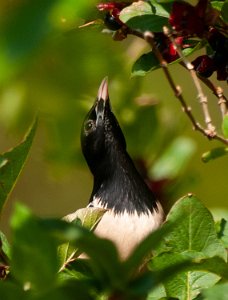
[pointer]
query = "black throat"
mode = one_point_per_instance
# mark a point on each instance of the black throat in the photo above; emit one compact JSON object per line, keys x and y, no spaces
{"x":118,"y":185}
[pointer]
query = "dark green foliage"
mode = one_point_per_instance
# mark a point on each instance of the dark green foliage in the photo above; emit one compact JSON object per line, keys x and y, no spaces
{"x":12,"y":163}
{"x":187,"y":256}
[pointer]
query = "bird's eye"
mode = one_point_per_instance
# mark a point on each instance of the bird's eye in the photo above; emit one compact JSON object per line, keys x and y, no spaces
{"x":89,"y":126}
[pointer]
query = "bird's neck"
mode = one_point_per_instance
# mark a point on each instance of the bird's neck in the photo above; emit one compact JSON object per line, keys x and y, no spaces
{"x":118,"y":185}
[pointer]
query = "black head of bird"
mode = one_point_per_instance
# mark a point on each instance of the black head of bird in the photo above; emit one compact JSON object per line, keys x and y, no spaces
{"x":118,"y":186}
{"x":100,"y":133}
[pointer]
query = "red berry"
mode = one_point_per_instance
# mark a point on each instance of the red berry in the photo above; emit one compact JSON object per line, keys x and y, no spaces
{"x":204,"y":65}
{"x":111,"y":22}
{"x":109,"y":6}
{"x":187,"y":19}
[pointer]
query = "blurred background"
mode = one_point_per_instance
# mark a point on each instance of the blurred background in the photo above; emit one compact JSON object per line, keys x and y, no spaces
{"x":49,"y":65}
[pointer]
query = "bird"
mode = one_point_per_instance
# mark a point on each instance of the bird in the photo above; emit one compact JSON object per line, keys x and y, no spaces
{"x":132,"y":210}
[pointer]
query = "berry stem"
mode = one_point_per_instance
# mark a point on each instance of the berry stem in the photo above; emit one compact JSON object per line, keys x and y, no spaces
{"x":149,"y":38}
{"x":201,"y":97}
{"x":210,"y":134}
{"x":218,"y":92}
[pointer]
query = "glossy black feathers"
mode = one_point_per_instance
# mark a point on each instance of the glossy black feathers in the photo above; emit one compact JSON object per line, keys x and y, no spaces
{"x":117,"y":183}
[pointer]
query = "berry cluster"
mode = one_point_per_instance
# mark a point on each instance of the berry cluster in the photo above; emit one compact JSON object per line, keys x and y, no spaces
{"x":112,"y":10}
{"x":217,"y":61}
{"x":167,"y":48}
{"x":190,"y":20}
{"x":201,"y":22}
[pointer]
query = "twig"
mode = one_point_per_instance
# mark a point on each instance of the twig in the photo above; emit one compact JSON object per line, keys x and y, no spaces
{"x":218,"y":92}
{"x":202,"y":98}
{"x":148,"y":36}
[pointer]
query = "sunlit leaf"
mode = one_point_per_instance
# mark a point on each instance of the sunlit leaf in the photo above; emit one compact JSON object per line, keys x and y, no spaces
{"x":4,"y":248}
{"x":185,"y":274}
{"x":144,"y":16}
{"x":11,"y":164}
{"x":89,"y":217}
{"x":157,"y":293}
{"x":214,"y":153}
{"x":103,"y":255}
{"x":193,"y":238}
{"x":196,"y":231}
{"x":182,"y":277}
{"x":217,"y":4}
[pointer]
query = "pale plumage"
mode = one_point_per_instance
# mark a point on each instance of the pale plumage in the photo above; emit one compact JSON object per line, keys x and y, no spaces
{"x":132,"y":209}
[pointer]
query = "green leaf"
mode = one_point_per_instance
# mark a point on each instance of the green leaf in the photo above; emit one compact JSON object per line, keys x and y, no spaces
{"x":34,"y":251}
{"x":89,"y":217}
{"x":4,"y":248}
{"x":66,"y":255}
{"x":184,"y":274}
{"x":217,"y":4}
{"x":217,"y":292}
{"x":148,"y":61}
{"x":145,"y":16}
{"x":147,"y":22}
{"x":195,"y":232}
{"x":78,"y":269}
{"x":103,"y":254}
{"x":145,"y":64}
{"x":194,"y":242}
{"x":11,"y":164}
{"x":224,"y":11}
{"x":174,"y":160}
{"x":157,"y":293}
{"x":214,"y":153}
{"x":162,"y":10}
{"x":225,"y":126}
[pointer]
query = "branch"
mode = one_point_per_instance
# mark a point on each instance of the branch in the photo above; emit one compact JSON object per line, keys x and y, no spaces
{"x":148,"y":36}
{"x":202,"y":98}
{"x":209,"y":132}
{"x":218,"y":92}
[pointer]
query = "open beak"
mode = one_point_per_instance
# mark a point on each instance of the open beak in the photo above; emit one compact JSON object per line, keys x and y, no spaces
{"x":101,"y":101}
